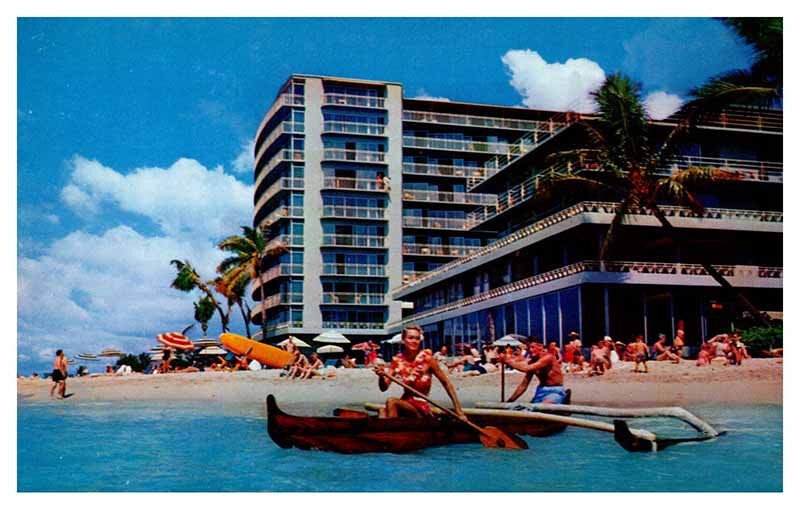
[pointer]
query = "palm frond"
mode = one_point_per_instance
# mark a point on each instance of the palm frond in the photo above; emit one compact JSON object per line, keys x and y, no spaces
{"x":611,"y":234}
{"x":678,"y":193}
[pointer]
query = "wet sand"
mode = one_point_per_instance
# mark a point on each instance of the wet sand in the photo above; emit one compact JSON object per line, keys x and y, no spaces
{"x":758,"y":381}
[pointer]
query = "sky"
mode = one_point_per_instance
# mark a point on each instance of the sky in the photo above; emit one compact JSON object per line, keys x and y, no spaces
{"x":134,"y":136}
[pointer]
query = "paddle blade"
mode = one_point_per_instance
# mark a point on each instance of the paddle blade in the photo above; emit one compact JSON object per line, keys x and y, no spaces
{"x":497,"y":438}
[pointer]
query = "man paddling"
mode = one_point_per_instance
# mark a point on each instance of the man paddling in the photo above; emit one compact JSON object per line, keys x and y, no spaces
{"x":546,"y":368}
{"x":414,"y":367}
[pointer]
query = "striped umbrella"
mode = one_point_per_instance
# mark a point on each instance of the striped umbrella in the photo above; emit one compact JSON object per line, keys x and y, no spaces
{"x":175,"y":340}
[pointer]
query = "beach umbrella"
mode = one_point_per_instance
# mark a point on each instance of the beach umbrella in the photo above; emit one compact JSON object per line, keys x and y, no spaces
{"x":212,"y":350}
{"x":330,"y":349}
{"x":396,"y":339}
{"x":510,"y":340}
{"x":203,"y":343}
{"x":86,"y":357}
{"x":111,"y":352}
{"x":332,"y":336}
{"x":156,"y":356}
{"x":297,"y":342}
{"x":366,"y":345}
{"x":175,"y":340}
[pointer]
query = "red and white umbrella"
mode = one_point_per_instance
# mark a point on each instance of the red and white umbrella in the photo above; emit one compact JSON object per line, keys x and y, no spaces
{"x":175,"y":340}
{"x":366,"y":345}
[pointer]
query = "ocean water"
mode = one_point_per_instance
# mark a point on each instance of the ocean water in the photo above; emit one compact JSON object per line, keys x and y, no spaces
{"x":70,"y":446}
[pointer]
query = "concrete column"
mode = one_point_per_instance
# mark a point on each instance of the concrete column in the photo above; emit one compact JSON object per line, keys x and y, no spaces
{"x":312,"y":206}
{"x":394,"y":156}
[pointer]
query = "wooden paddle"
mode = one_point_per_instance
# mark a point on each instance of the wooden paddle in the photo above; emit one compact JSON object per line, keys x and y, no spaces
{"x":489,"y":435}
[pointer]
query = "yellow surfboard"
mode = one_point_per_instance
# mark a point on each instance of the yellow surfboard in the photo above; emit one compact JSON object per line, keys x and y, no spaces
{"x":265,"y":354}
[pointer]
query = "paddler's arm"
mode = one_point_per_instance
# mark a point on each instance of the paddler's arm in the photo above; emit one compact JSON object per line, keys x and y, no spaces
{"x":383,"y":382}
{"x":448,"y":386}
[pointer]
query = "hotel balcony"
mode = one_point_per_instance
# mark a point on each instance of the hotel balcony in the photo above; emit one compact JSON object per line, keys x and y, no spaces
{"x":280,"y":102}
{"x":285,"y":127}
{"x":283,"y":241}
{"x":427,"y":117}
{"x":411,"y":275}
{"x":282,"y":184}
{"x":360,"y":299}
{"x":442,"y":170}
{"x":280,"y":270}
{"x":438,"y":250}
{"x":594,"y":271}
{"x":280,"y":213}
{"x":282,"y":156}
{"x":482,"y":147}
{"x":276,"y":299}
{"x":738,"y":119}
{"x":354,"y":184}
{"x":359,"y":101}
{"x":360,"y":241}
{"x":600,"y":213}
{"x":457,"y":198}
{"x":347,"y":212}
{"x":353,"y":156}
{"x":353,"y":270}
{"x":435,"y":223}
{"x":352,"y":325}
{"x":273,"y":329}
{"x":356,"y":128}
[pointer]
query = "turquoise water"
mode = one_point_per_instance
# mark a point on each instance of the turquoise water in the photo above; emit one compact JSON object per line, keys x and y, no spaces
{"x":68,"y":446}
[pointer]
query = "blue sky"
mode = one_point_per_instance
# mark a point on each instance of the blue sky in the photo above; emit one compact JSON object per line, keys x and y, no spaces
{"x":133,"y":134}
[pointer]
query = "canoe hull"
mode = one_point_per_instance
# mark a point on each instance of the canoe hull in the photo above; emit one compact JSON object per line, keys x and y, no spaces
{"x":364,"y":434}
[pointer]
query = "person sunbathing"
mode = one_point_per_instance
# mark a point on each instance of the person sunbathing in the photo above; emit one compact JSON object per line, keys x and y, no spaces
{"x":661,"y":352}
{"x":298,"y":366}
{"x":314,"y":364}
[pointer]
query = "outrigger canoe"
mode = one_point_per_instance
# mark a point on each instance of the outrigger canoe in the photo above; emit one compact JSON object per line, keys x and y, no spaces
{"x":357,"y":432}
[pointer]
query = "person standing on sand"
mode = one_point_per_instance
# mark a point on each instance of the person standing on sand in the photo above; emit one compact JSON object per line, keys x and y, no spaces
{"x":414,"y":367}
{"x":546,"y":368}
{"x":59,"y":374}
{"x":641,"y":353}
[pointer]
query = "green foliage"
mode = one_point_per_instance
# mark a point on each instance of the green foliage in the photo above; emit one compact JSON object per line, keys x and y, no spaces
{"x":758,"y":339}
{"x":203,"y":312}
{"x":136,"y":362}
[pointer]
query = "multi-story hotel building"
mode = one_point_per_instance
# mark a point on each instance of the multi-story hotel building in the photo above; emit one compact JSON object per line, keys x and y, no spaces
{"x":387,"y":211}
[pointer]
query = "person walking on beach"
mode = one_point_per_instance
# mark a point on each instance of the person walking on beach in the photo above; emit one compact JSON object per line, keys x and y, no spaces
{"x":414,"y":367}
{"x":546,"y":368}
{"x":59,"y":374}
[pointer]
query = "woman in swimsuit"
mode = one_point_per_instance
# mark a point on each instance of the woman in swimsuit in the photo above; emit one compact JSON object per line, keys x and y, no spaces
{"x":414,"y":366}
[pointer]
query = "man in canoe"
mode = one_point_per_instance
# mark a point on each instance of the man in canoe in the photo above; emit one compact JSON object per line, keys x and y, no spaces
{"x":414,"y":367}
{"x":545,"y":367}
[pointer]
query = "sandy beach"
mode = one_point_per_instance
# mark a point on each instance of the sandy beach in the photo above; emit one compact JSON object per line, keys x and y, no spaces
{"x":758,"y":381}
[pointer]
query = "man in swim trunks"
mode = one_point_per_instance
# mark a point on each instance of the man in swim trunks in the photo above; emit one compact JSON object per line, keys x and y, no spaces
{"x":546,"y":368}
{"x":414,"y":366}
{"x":59,"y":374}
{"x":640,"y":352}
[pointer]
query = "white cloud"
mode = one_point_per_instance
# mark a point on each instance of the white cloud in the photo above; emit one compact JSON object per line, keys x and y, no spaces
{"x":245,"y":161}
{"x":186,"y":198}
{"x":554,"y":86}
{"x":660,"y":104}
{"x":422,"y":94}
{"x":52,"y":218}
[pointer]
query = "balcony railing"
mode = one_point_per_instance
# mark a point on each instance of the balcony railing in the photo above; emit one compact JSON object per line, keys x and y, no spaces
{"x":597,"y":207}
{"x":273,"y":328}
{"x":740,"y":118}
{"x":435,"y":223}
{"x":438,"y":250}
{"x":745,"y":169}
{"x":360,"y":101}
{"x":524,"y":145}
{"x":484,"y":147}
{"x":357,"y":128}
{"x":279,"y":299}
{"x":280,"y":102}
{"x":372,"y":299}
{"x":354,"y":184}
{"x":362,"y":241}
{"x":282,"y":213}
{"x":450,"y":197}
{"x":442,"y":170}
{"x":411,"y":275}
{"x":347,"y":212}
{"x":359,"y":156}
{"x":282,"y":184}
{"x":283,"y":241}
{"x":737,"y":271}
{"x":352,"y":325}
{"x":286,"y":155}
{"x":285,"y":127}
{"x":471,"y":120}
{"x":353,"y":269}
{"x":281,"y":270}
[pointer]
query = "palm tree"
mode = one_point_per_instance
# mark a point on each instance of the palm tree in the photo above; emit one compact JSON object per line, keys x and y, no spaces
{"x":234,"y":291}
{"x":203,"y":312}
{"x":244,"y":267}
{"x":626,"y":163}
{"x":762,"y":83}
{"x":188,"y":279}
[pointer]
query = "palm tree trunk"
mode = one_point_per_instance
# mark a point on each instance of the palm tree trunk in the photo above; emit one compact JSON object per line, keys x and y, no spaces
{"x":222,"y":316}
{"x":263,"y":308}
{"x":710,"y":270}
{"x":245,"y":317}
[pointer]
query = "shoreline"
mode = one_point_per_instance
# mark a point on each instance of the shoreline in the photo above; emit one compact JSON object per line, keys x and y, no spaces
{"x":757,"y":381}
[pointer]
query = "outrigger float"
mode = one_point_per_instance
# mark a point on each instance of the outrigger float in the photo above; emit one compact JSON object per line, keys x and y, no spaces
{"x":352,"y":431}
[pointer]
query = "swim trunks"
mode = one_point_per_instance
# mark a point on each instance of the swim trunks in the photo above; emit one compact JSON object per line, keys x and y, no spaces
{"x":554,"y":394}
{"x":641,"y":357}
{"x":57,"y":375}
